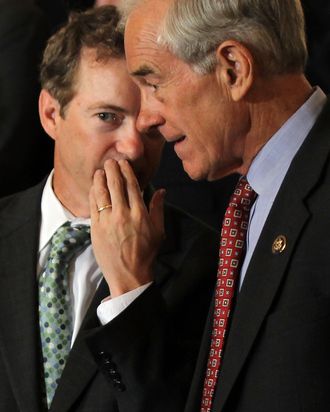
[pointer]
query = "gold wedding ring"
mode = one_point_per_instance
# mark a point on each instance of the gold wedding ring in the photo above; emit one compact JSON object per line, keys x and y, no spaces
{"x":104,"y":207}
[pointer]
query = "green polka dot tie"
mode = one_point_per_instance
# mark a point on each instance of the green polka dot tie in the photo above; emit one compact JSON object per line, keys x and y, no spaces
{"x":55,"y":313}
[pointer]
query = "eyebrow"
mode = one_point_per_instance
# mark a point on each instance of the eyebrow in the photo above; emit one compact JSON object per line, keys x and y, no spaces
{"x":107,"y":106}
{"x":143,"y":71}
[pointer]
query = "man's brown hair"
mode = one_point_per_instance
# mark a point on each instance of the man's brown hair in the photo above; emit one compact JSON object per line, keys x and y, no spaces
{"x":97,"y":29}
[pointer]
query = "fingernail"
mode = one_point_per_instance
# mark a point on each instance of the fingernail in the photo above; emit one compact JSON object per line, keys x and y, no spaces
{"x":99,"y":172}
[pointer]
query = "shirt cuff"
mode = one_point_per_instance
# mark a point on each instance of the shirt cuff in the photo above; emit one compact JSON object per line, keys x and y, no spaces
{"x":110,"y":308}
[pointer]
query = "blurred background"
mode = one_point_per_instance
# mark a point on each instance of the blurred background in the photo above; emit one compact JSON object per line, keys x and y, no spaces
{"x":25,"y":150}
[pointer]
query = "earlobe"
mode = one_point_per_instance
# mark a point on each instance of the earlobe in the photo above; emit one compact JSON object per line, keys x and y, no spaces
{"x":235,"y":68}
{"x":48,"y":112}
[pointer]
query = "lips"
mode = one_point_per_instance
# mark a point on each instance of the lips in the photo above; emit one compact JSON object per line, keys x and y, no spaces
{"x":175,"y":139}
{"x":180,"y":139}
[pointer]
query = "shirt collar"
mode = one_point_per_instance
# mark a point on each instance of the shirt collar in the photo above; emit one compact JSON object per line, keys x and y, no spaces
{"x":271,"y":164}
{"x":54,"y":214}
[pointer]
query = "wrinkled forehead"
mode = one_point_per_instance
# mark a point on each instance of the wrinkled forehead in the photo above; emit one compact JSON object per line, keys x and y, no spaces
{"x":142,"y":30}
{"x":144,"y":8}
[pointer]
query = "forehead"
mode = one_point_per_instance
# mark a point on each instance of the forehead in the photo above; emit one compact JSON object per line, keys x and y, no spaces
{"x":104,"y":79}
{"x":91,"y":59}
{"x":141,"y":33}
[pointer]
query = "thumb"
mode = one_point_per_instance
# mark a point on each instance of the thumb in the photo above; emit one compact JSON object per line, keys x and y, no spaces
{"x":156,"y":211}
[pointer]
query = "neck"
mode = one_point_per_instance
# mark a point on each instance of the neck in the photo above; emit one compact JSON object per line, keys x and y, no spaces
{"x":271,"y":103}
{"x":73,"y":200}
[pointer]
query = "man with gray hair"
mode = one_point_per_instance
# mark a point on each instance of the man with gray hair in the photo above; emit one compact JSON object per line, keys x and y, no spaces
{"x":223,"y":81}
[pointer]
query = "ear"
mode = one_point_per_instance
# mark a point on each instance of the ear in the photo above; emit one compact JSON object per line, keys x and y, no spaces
{"x":235,"y":68}
{"x":49,"y":112}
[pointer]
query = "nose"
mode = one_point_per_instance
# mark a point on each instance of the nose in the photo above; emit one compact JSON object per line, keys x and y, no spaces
{"x":131,"y":146}
{"x":149,"y":115}
{"x":148,"y":119}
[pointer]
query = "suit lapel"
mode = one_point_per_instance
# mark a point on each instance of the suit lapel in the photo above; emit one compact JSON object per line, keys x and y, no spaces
{"x":267,"y":270}
{"x":18,"y":299}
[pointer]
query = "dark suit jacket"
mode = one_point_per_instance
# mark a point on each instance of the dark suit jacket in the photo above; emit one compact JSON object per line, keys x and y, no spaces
{"x":277,"y":356}
{"x":176,"y":306}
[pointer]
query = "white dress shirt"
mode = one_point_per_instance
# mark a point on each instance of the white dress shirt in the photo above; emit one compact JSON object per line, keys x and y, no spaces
{"x":84,"y":273}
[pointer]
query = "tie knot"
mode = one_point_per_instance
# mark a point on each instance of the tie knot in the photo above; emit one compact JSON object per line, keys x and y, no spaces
{"x":243,"y":196}
{"x":68,"y":240}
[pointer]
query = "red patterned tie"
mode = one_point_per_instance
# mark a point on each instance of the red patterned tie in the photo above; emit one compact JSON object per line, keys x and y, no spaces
{"x":233,"y":233}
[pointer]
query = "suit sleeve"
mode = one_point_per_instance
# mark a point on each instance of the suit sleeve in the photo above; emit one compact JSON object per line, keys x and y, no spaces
{"x":148,"y":352}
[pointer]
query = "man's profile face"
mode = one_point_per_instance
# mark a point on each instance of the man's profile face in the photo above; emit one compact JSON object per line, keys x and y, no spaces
{"x":100,"y":124}
{"x":194,"y":111}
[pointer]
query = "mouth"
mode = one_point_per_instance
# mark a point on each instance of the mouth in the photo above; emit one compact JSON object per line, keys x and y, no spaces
{"x":179,"y":140}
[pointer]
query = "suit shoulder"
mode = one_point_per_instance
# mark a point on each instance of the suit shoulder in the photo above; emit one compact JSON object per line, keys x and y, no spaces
{"x":19,"y":207}
{"x":183,"y":228}
{"x":183,"y":218}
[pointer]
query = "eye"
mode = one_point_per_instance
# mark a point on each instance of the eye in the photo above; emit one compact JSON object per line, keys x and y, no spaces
{"x":154,"y":87}
{"x":109,"y":117}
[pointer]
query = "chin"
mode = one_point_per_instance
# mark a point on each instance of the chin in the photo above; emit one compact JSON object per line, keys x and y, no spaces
{"x":194,"y":174}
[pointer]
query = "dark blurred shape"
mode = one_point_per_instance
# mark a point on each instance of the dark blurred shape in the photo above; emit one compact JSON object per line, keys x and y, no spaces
{"x":317,"y":14}
{"x":79,"y":4}
{"x":55,"y":12}
{"x":25,"y":150}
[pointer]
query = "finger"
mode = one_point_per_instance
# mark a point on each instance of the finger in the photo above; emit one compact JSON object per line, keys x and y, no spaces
{"x":115,"y":184}
{"x":93,"y":206}
{"x":156,"y":211}
{"x":100,"y":189}
{"x":134,"y":194}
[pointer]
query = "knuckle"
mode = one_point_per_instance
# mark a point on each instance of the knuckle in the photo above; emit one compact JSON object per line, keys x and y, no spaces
{"x":103,"y":192}
{"x":119,"y":219}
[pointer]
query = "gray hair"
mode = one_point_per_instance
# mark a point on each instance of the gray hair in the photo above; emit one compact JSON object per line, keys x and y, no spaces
{"x":125,"y":9}
{"x":273,"y":31}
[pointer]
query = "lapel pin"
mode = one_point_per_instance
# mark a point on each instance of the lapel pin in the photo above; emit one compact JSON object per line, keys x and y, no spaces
{"x":279,"y":244}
